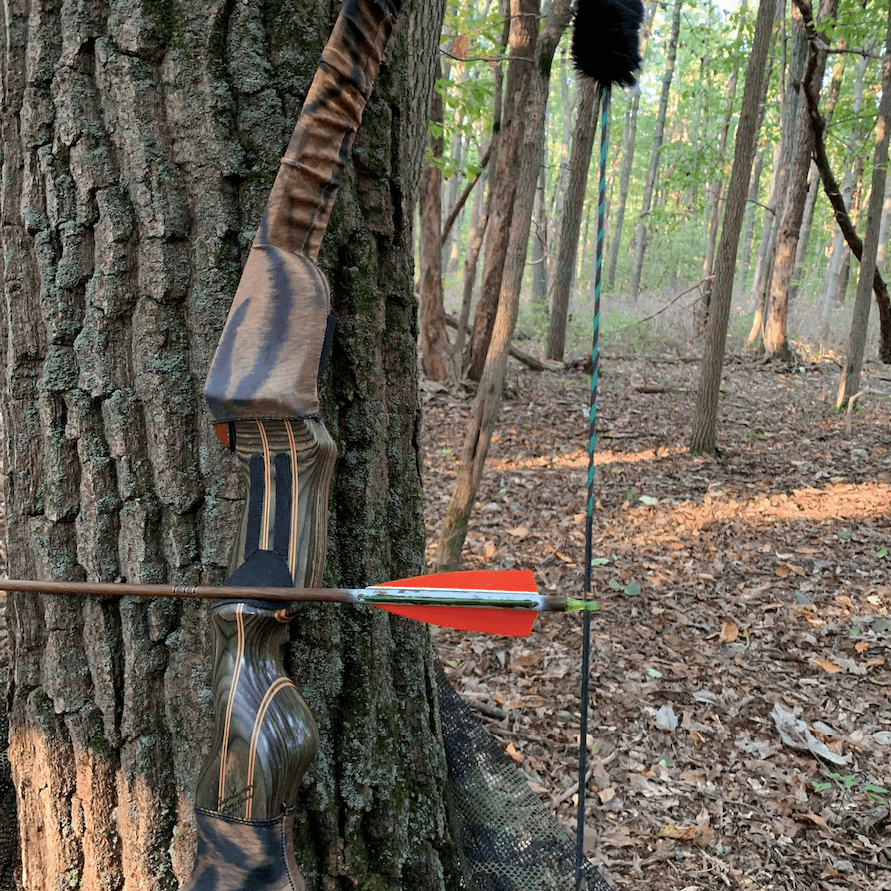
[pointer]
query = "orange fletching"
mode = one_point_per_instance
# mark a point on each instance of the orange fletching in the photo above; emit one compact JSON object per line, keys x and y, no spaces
{"x":488,"y":620}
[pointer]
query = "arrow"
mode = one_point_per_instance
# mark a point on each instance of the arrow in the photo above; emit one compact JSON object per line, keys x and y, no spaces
{"x":490,"y":601}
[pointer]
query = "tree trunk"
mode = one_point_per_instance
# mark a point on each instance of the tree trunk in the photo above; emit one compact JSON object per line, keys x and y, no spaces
{"x":472,"y":252}
{"x":843,"y":218}
{"x":885,"y":229}
{"x":504,"y":185}
{"x":9,"y":835}
{"x":850,"y":381}
{"x":804,"y":237}
{"x":704,"y":433}
{"x":568,"y":104}
{"x":580,"y":161}
{"x":763,"y":258}
{"x":715,"y":191}
{"x":777,"y":299}
{"x":835,"y":83}
{"x":539,"y":247}
{"x":791,"y":72}
{"x":476,"y":237}
{"x":629,"y":137}
{"x":642,"y":236}
{"x":487,"y":402}
{"x":853,"y":167}
{"x":436,"y":351}
{"x":139,"y":150}
{"x":744,"y":255}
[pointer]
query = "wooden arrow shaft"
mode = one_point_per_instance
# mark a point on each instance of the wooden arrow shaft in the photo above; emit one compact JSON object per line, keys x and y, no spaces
{"x":375,"y":595}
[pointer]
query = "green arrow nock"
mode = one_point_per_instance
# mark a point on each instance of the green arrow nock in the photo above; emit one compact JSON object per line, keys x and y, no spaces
{"x":573,"y":604}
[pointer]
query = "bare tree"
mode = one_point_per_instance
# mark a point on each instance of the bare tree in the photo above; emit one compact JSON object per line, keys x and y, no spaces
{"x":850,"y":381}
{"x":704,"y":434}
{"x":642,"y":236}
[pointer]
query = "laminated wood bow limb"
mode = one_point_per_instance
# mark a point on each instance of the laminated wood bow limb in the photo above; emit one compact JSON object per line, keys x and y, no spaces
{"x":262,"y":390}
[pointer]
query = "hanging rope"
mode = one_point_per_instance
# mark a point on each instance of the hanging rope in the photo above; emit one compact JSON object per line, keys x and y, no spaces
{"x":605,"y":47}
{"x":589,"y":512}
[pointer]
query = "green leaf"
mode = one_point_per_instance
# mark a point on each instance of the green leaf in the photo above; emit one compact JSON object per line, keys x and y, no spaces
{"x":655,"y":673}
{"x":882,"y":553}
{"x":599,"y":561}
{"x":632,"y":589}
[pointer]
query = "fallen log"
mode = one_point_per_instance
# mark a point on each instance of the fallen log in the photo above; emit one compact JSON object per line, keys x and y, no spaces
{"x":520,"y":355}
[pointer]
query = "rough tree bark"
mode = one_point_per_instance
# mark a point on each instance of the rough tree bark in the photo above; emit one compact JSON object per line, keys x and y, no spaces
{"x":704,"y":434}
{"x":140,"y":142}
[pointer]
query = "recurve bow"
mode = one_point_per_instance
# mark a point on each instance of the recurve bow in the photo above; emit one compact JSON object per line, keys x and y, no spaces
{"x":262,"y":390}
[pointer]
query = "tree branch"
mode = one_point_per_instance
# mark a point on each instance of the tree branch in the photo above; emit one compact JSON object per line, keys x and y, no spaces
{"x":521,"y":356}
{"x":833,"y":193}
{"x":450,"y":221}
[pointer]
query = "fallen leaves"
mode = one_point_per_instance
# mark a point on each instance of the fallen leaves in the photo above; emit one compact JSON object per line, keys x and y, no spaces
{"x":727,"y":593}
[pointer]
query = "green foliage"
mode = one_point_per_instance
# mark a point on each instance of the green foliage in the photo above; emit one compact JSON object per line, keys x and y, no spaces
{"x":713,"y":55}
{"x":470,"y":42}
{"x":851,"y":782}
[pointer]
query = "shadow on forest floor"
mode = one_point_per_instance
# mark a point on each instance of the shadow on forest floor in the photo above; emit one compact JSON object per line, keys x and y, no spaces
{"x":741,"y":733}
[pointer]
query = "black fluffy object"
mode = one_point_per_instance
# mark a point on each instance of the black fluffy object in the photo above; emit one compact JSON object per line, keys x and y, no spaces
{"x":605,"y":40}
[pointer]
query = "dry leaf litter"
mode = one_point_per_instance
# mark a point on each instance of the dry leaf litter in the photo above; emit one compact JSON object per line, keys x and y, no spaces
{"x":741,"y":727}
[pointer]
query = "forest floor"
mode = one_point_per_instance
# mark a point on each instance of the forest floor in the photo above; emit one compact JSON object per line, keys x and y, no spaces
{"x":741,"y":728}
{"x":741,"y":658}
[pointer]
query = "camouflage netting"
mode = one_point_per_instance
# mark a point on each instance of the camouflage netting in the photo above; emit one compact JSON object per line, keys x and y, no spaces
{"x":9,"y":839}
{"x":507,"y":839}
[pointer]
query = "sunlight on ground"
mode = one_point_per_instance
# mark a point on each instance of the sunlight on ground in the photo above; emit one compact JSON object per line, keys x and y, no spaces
{"x":579,"y":458}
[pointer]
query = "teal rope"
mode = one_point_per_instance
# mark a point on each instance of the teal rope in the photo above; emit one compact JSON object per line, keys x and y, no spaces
{"x":589,"y":517}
